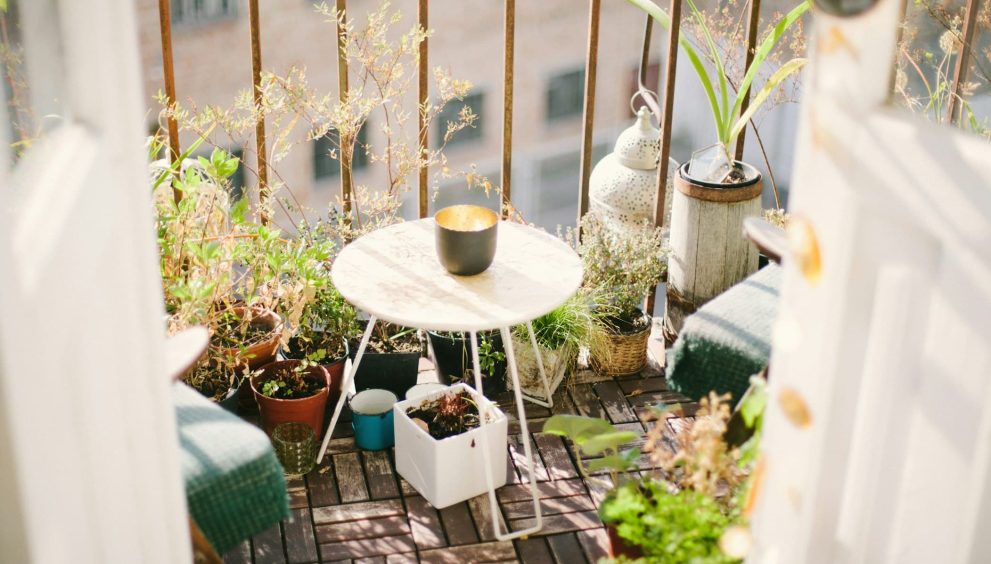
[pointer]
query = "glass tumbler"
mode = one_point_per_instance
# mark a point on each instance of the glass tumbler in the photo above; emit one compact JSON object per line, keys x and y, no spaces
{"x":296,"y":446}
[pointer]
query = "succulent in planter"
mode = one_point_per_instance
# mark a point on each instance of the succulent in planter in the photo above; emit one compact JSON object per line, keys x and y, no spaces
{"x":620,"y":271}
{"x":439,"y":442}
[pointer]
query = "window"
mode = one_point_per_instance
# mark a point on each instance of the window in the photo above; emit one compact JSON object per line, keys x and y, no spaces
{"x":565,"y":95}
{"x":450,"y":113}
{"x":325,"y":165}
{"x":191,"y":12}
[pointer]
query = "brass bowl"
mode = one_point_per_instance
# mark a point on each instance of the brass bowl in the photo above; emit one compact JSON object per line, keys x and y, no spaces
{"x":466,"y":238}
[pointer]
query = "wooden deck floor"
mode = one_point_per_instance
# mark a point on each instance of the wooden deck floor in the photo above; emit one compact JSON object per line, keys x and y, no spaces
{"x":355,"y":508}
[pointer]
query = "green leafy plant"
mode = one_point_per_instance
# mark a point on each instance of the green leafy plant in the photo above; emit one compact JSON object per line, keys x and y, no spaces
{"x":620,"y":269}
{"x":728,"y":115}
{"x":448,"y":415}
{"x":488,"y":357}
{"x":593,"y":436}
{"x":292,"y":383}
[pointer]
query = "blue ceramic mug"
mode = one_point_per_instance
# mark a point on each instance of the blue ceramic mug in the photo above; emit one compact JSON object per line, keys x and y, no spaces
{"x":372,"y":419}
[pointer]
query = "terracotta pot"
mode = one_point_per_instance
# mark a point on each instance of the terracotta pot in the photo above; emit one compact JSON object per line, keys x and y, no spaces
{"x":335,"y":368}
{"x":619,"y":547}
{"x":307,"y":410}
{"x":262,"y":353}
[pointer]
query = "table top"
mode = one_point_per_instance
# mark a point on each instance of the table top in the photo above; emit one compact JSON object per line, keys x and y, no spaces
{"x":394,"y":274}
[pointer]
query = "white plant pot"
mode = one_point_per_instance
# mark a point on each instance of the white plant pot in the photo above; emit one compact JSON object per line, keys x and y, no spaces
{"x":556,"y":365}
{"x":450,"y":470}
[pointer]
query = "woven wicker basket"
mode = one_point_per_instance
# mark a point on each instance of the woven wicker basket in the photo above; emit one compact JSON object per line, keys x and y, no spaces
{"x":627,"y":354}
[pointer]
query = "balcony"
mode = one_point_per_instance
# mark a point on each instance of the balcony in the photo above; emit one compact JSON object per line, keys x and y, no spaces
{"x":495,"y":281}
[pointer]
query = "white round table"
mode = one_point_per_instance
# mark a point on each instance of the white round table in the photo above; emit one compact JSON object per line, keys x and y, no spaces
{"x":393,"y":274}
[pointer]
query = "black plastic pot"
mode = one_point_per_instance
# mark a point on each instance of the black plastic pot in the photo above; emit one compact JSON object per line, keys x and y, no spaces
{"x":453,"y":356}
{"x":396,"y":372}
{"x":230,"y":402}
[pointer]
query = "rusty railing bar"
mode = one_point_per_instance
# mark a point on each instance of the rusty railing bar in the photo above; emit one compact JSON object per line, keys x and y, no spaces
{"x":168,"y":70}
{"x":342,"y":94}
{"x":645,"y":53}
{"x":963,"y":60}
{"x":588,"y":112}
{"x":256,"y":80}
{"x":666,"y":118}
{"x":422,"y":68}
{"x":509,"y":36}
{"x":752,"y":33}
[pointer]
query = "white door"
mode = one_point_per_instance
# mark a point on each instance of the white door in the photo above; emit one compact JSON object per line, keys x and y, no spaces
{"x":88,"y":449}
{"x":878,"y":430}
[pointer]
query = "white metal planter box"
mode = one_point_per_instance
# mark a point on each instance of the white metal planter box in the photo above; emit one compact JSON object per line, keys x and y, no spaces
{"x":450,"y":470}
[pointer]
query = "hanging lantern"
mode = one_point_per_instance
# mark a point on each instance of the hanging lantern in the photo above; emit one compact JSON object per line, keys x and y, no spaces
{"x":622,"y":186}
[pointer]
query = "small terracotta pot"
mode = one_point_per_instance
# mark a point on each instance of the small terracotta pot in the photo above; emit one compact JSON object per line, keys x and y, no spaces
{"x":307,"y":410}
{"x":259,"y":354}
{"x":335,"y":368}
{"x":619,"y":547}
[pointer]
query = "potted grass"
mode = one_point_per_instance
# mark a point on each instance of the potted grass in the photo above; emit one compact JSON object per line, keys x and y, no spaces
{"x":621,"y":270}
{"x":439,"y":437}
{"x":561,"y":336}
{"x":714,"y":193}
{"x":452,"y":356}
{"x":291,"y":390}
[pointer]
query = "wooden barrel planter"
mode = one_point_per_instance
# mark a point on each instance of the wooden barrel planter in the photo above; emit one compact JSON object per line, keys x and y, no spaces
{"x":709,"y":252}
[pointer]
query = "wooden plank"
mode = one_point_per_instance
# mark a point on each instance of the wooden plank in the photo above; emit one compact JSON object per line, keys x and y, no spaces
{"x":370,"y":560}
{"x":267,"y":546}
{"x":594,"y":543}
{"x":641,"y":385}
{"x":240,"y":554}
{"x":481,"y":511}
{"x":564,"y":522}
{"x":424,"y":522}
{"x":545,"y":490}
{"x":343,"y":445}
{"x":350,"y":478}
{"x":566,"y":549}
{"x":458,"y":524}
{"x":563,"y":402}
{"x":381,"y":479}
{"x":612,"y":397}
{"x":556,"y":458}
{"x":518,"y":454}
{"x":598,"y":490}
{"x":357,"y":511}
{"x":586,"y":402}
{"x":363,"y":548}
{"x":323,"y":485}
{"x":365,"y":529}
{"x":534,"y":425}
{"x":554,"y":506}
{"x":534,"y":550}
{"x":409,"y":557}
{"x":301,"y":544}
{"x":296,"y":488}
{"x":485,"y":552}
{"x":647,"y":399}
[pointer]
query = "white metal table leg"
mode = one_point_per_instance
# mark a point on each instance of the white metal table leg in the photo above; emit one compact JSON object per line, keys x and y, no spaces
{"x":549,"y":402}
{"x":527,"y":449}
{"x":345,"y":386}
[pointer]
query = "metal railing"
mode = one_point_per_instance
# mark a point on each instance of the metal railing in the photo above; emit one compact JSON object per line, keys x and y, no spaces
{"x":666,"y":105}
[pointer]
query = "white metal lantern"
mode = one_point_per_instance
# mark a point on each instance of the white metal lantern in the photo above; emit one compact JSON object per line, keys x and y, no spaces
{"x":623,"y":184}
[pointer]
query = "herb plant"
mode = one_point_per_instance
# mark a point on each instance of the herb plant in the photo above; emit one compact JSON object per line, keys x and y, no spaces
{"x":292,"y":383}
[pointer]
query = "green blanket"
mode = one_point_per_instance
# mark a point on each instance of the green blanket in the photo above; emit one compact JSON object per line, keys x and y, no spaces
{"x":727,"y":340}
{"x":234,"y":482}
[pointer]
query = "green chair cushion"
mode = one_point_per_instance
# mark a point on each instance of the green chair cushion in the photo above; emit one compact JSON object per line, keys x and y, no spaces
{"x":234,"y":482}
{"x":727,"y":340}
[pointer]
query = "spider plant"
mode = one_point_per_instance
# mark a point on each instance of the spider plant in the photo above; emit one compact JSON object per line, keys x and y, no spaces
{"x":727,"y":108}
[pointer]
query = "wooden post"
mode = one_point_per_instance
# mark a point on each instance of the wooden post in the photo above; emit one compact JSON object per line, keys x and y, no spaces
{"x":256,"y":79}
{"x":591,"y":65}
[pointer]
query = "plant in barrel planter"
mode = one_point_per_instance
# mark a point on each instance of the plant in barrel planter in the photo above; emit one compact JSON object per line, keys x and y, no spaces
{"x":439,"y":442}
{"x":452,"y":354}
{"x":291,"y":390}
{"x":713,"y":192}
{"x":621,"y":270}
